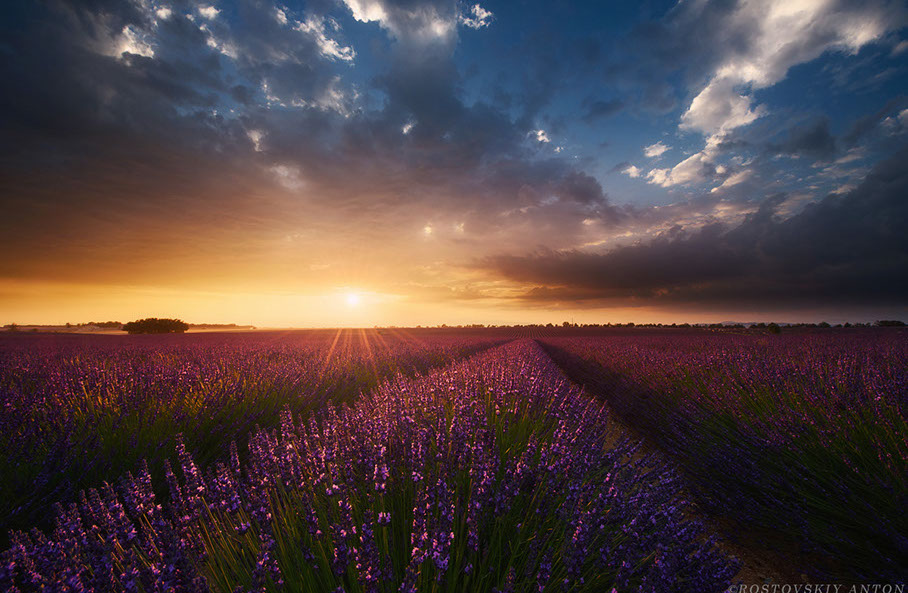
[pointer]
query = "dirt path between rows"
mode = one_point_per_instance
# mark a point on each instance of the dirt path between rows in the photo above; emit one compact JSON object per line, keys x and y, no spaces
{"x":758,"y":564}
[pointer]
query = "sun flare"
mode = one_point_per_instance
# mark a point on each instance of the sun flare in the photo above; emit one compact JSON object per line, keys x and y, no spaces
{"x":352,"y":299}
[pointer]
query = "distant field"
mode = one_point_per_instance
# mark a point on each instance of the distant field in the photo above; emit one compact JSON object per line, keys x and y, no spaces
{"x":452,"y":460}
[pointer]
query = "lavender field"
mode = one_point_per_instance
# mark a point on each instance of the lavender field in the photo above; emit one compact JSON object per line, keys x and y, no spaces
{"x":485,"y":460}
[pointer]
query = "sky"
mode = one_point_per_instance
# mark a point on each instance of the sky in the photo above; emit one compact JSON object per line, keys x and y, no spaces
{"x":404,"y":162}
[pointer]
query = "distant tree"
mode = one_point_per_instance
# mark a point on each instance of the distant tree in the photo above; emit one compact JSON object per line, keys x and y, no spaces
{"x":153,"y":325}
{"x":890,"y":323}
{"x":823,"y":324}
{"x":13,"y":327}
{"x":774,"y":328}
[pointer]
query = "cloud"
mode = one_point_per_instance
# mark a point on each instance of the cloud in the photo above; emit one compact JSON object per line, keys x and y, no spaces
{"x":812,"y":140}
{"x":367,"y":11}
{"x":659,"y":177}
{"x":478,"y":17}
{"x":132,"y":42}
{"x":541,"y":136}
{"x":208,"y":12}
{"x":731,"y":50}
{"x":632,"y":171}
{"x":777,"y":35}
{"x":719,"y":108}
{"x":866,"y":124}
{"x":654,"y":150}
{"x":734,"y":179}
{"x":843,"y":250}
{"x":697,"y":168}
{"x":276,"y":137}
{"x":328,"y":47}
{"x":422,"y":24}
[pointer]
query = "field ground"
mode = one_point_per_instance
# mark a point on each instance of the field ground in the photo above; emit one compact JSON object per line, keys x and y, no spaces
{"x":750,"y":457}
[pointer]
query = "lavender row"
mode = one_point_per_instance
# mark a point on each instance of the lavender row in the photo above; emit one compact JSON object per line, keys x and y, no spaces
{"x":493,"y":474}
{"x":73,"y":408}
{"x":804,"y":435}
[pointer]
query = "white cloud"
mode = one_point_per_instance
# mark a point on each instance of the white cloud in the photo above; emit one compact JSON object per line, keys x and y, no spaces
{"x":328,"y":47}
{"x":419,"y":24}
{"x":225,"y":47}
{"x":405,"y":129}
{"x":788,"y":32}
{"x":632,"y":171}
{"x":719,"y":108}
{"x":280,"y":15}
{"x":256,"y":137}
{"x":731,"y":180}
{"x":367,"y":11}
{"x":479,"y":17}
{"x":775,"y":35}
{"x":654,"y":150}
{"x":131,"y":41}
{"x":900,"y":48}
{"x":696,"y":168}
{"x":659,"y":177}
{"x":540,"y":135}
{"x":163,"y":13}
{"x":208,"y":12}
{"x":687,"y":171}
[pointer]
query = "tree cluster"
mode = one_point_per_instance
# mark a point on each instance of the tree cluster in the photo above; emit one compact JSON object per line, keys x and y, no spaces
{"x":153,"y":325}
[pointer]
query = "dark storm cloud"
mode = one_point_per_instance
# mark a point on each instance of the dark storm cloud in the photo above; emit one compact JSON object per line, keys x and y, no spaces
{"x":812,"y":140}
{"x":848,"y":249}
